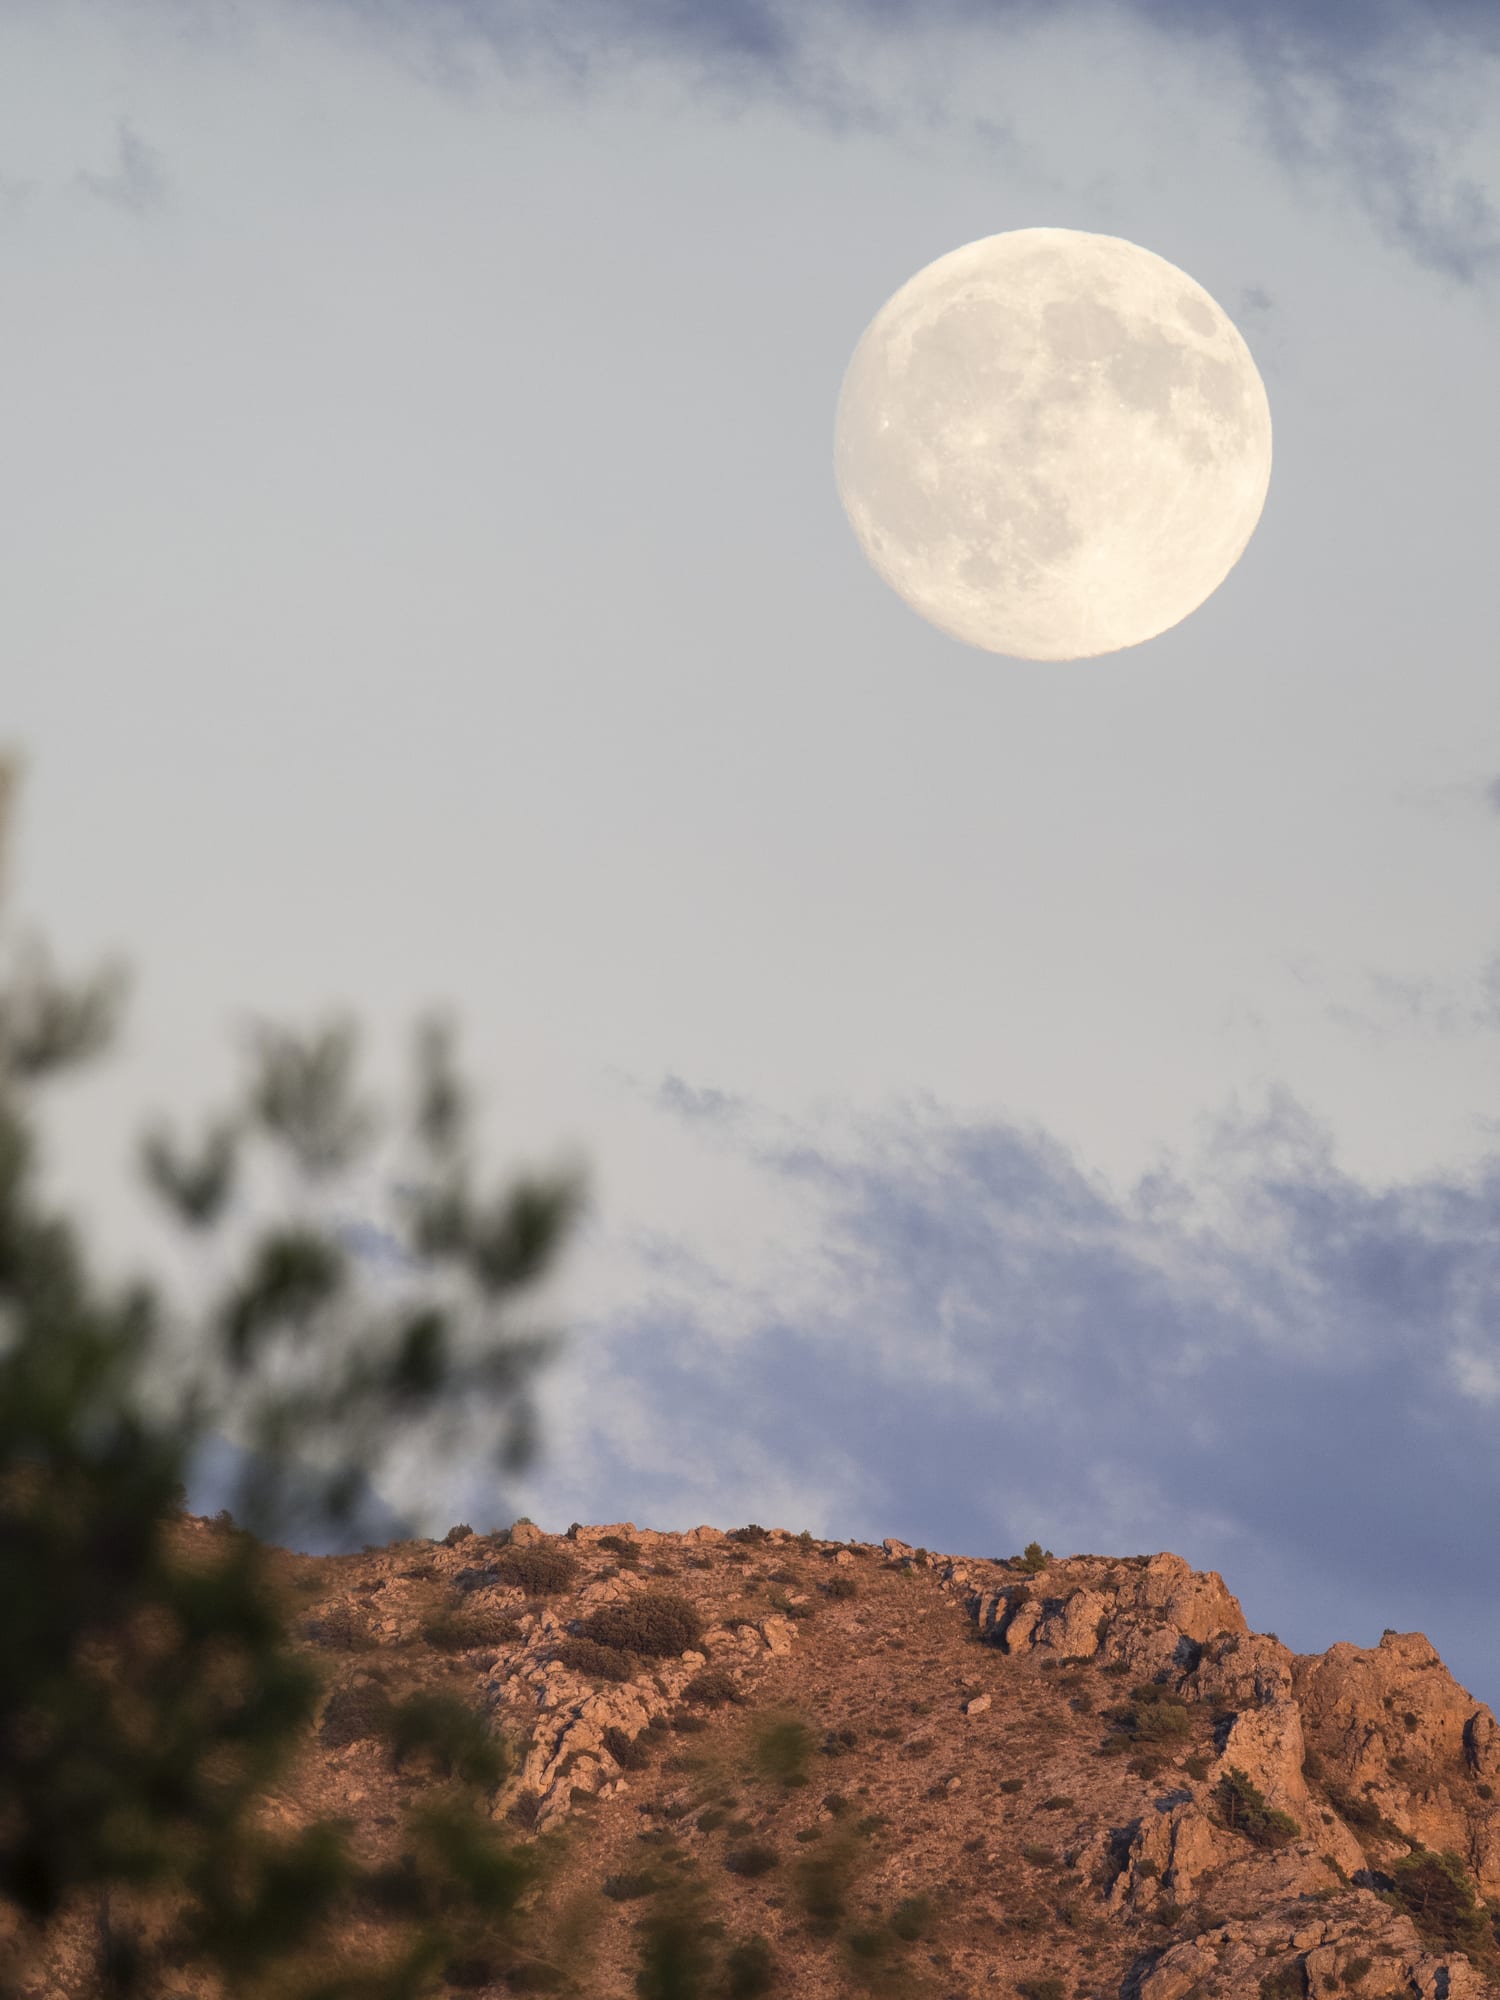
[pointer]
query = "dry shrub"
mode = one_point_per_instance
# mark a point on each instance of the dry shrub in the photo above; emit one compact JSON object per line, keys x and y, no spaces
{"x":342,"y":1628}
{"x":629,"y":1752}
{"x":603,"y":1663}
{"x":711,"y":1688}
{"x":756,"y":1859}
{"x":467,"y":1629}
{"x":540,"y":1572}
{"x":354,"y":1715}
{"x":628,"y":1552}
{"x":657,"y":1625}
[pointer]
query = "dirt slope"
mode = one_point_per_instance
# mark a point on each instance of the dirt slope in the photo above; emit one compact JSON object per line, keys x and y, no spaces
{"x":876,"y":1770}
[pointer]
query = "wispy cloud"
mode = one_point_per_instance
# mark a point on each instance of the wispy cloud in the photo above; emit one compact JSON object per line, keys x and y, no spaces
{"x":137,"y":182}
{"x":1373,"y":93}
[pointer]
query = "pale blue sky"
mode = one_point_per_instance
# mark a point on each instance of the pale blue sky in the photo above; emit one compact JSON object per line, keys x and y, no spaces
{"x":1021,"y":1099}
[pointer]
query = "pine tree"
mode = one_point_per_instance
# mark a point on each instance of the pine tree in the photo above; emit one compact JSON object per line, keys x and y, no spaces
{"x":148,"y":1698}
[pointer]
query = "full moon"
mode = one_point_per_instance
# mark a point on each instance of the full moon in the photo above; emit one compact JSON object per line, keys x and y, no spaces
{"x":1052,"y":444}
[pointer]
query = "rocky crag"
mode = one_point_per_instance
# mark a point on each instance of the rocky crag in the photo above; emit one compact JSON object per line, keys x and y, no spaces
{"x":865,"y":1769}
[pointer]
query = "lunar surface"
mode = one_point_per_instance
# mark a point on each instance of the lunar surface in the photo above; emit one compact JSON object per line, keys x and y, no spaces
{"x":1052,"y":444}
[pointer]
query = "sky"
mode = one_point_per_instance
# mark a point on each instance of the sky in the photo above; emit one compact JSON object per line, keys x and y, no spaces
{"x":1019,"y":1099}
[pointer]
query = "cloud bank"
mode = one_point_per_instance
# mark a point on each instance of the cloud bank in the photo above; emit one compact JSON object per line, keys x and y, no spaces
{"x":1259,"y":1362}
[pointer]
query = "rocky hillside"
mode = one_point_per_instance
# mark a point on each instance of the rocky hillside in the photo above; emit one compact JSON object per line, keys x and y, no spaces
{"x":758,"y":1762}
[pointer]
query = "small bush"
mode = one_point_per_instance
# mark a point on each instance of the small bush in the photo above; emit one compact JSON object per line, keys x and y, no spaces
{"x":1362,"y":1813}
{"x":1197,"y":1766}
{"x":354,"y":1715}
{"x":628,"y":1552}
{"x":656,"y":1625}
{"x":750,"y":1970}
{"x":675,"y":1959}
{"x":629,"y":1752}
{"x":1034,"y":1558}
{"x":1242,"y":1809}
{"x":1152,"y":1716}
{"x":465,"y":1631}
{"x":781,"y":1603}
{"x":1357,"y":1969}
{"x":781,"y":1748}
{"x":539,"y":1572}
{"x":1040,"y":1989}
{"x":469,"y":1974}
{"x":1012,"y":1785}
{"x":1059,"y":1802}
{"x":1436,"y":1893}
{"x":914,"y":1918}
{"x":1039,"y":1856}
{"x":712,"y":1820}
{"x":823,"y":1888}
{"x":604,"y":1663}
{"x":711,"y":1688}
{"x":753,"y":1533}
{"x":841,"y":1587}
{"x":533,"y":1975}
{"x":630,"y":1886}
{"x":1287,"y":1982}
{"x":343,"y":1628}
{"x":688,"y":1725}
{"x":455,"y":1535}
{"x":756,"y":1859}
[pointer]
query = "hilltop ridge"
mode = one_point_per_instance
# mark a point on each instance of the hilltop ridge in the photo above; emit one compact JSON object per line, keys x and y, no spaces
{"x":876,"y":1769}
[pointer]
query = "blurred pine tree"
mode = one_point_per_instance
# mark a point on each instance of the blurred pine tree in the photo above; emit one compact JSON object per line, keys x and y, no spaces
{"x":148,"y":1700}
